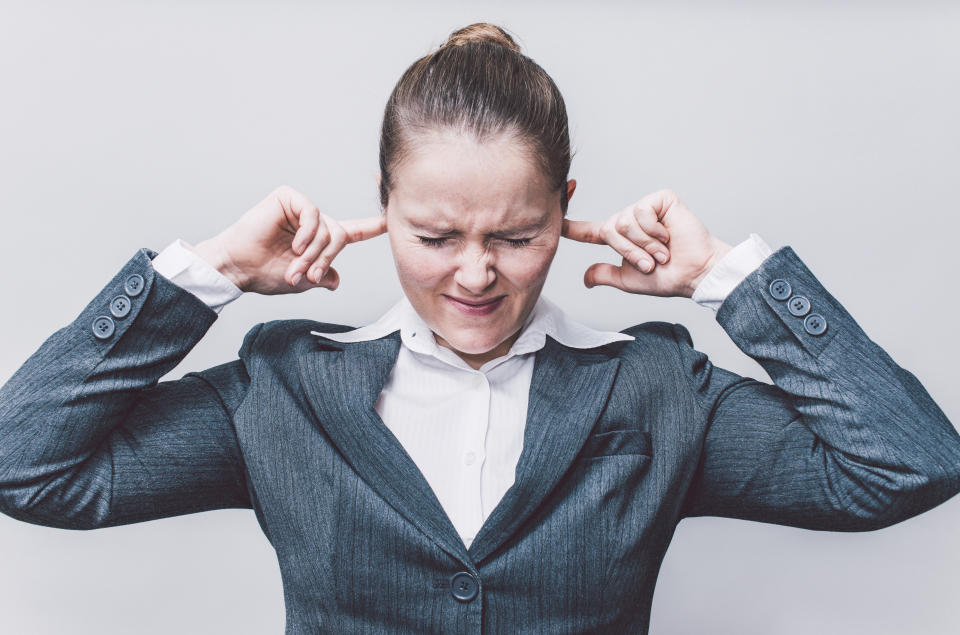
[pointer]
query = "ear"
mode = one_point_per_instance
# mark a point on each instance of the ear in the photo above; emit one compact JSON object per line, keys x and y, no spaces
{"x":571,"y":186}
{"x":379,"y":181}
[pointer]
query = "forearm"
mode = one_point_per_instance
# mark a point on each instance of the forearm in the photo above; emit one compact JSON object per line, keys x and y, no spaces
{"x":845,"y":439}
{"x":60,"y":406}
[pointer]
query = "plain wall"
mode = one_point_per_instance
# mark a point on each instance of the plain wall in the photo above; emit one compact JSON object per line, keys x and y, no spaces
{"x":829,"y":128}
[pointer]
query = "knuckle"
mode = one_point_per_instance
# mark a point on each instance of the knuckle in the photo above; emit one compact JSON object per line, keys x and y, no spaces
{"x":337,"y":232}
{"x":643,"y":213}
{"x":308,"y":223}
{"x":622,"y":223}
{"x":318,"y":243}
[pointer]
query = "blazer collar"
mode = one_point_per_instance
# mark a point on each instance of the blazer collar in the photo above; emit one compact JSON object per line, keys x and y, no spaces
{"x":568,"y":391}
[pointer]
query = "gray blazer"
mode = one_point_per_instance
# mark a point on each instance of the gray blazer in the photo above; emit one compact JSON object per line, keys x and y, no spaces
{"x":621,"y":442}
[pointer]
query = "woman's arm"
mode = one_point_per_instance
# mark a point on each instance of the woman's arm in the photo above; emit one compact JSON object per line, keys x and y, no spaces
{"x":88,"y":438}
{"x":846,"y":439}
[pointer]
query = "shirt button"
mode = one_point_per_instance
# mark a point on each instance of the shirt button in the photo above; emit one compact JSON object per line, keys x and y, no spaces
{"x":469,"y":458}
{"x":463,"y":586}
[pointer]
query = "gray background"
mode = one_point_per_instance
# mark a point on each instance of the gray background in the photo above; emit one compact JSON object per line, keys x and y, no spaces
{"x":831,"y":129}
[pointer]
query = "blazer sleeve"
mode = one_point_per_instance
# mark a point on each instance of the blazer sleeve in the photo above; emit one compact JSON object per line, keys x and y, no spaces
{"x":89,"y":438}
{"x":845,"y":439}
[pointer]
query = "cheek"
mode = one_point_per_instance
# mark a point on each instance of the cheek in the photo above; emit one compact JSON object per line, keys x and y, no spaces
{"x":418,"y":267}
{"x":526,"y":266}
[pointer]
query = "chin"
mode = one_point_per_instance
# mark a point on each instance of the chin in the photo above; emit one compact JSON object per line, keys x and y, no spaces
{"x":471,"y":345}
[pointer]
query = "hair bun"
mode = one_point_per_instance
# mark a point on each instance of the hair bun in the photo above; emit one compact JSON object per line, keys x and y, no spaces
{"x":482,"y":32}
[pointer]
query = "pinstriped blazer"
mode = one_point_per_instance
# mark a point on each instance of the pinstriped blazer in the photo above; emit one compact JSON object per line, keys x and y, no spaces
{"x":621,"y":442}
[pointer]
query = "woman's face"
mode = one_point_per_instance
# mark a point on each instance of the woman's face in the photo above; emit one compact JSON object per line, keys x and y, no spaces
{"x":472,"y":222}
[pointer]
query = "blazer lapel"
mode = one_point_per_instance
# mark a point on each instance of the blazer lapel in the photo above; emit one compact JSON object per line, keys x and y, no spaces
{"x":567,"y":394}
{"x":568,"y":391}
{"x":342,"y":390}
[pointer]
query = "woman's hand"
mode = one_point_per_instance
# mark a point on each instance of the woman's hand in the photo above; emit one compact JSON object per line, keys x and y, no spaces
{"x":285,"y":244}
{"x":657,"y":223}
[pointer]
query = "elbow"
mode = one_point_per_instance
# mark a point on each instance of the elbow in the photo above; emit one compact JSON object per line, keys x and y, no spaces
{"x":61,"y":502}
{"x":884,"y":497}
{"x":911,"y":469}
{"x":45,"y":519}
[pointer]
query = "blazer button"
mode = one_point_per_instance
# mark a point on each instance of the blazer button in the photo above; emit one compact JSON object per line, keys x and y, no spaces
{"x":463,"y":586}
{"x":780,"y":289}
{"x":103,"y":327}
{"x":799,"y":305}
{"x":815,"y":324}
{"x":120,"y":306}
{"x":134,"y":285}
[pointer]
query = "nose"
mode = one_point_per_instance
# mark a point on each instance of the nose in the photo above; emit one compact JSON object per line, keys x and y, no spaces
{"x":475,"y":270}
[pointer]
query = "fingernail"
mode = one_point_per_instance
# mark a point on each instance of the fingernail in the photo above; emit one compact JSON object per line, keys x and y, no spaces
{"x":645,"y":265}
{"x":660,"y":256}
{"x":296,"y":277}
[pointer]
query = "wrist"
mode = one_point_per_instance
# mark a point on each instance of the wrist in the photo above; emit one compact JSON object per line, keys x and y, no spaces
{"x":720,"y":249}
{"x":213,"y":252}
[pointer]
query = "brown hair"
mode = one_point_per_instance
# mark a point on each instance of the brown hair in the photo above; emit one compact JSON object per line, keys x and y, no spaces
{"x":478,"y":82}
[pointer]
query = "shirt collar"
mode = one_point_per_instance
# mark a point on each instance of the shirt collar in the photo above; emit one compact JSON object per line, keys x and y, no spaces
{"x":546,"y":319}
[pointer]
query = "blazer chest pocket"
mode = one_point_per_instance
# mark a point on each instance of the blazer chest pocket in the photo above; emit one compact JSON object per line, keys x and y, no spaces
{"x":616,"y":443}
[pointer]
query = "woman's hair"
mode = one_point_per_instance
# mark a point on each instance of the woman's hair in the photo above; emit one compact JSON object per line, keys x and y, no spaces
{"x":478,"y":82}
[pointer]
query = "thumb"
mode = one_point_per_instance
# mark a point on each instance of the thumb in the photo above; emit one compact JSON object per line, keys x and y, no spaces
{"x":330,"y":279}
{"x":604,"y":273}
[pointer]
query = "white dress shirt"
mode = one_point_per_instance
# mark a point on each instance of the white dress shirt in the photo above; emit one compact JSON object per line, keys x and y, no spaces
{"x":462,"y":427}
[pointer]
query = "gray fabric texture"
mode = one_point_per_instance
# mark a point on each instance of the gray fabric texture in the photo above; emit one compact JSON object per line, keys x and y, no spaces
{"x":622,"y":441}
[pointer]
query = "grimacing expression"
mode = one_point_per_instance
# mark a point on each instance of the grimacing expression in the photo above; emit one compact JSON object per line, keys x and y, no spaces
{"x":472,"y":221}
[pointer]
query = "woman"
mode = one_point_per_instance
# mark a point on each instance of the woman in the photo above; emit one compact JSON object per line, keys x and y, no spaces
{"x":474,"y":460}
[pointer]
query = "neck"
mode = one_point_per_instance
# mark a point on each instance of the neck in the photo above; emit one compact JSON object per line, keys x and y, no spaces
{"x":476,"y":360}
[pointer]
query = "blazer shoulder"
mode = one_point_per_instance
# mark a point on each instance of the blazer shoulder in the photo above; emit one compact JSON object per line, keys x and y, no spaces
{"x":658,"y":334}
{"x":658,"y":339}
{"x":276,"y":337}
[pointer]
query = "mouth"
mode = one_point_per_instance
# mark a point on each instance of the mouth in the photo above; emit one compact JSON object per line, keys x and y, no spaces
{"x":476,"y":308}
{"x":474,"y":303}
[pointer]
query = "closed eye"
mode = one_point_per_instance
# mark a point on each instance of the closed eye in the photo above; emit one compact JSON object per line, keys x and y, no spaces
{"x":437,"y":242}
{"x":433,"y":242}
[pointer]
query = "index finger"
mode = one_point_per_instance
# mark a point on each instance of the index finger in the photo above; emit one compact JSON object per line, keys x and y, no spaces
{"x":584,"y":231}
{"x":358,"y":229}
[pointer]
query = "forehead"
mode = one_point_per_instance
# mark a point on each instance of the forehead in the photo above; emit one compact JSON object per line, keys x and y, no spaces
{"x":453,"y":180}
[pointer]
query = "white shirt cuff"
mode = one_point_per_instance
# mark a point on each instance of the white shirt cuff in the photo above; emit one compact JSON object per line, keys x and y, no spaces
{"x":730,"y":271}
{"x":179,"y":264}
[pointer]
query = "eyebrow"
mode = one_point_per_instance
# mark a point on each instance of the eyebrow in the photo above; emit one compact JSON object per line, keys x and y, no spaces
{"x":513,"y":231}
